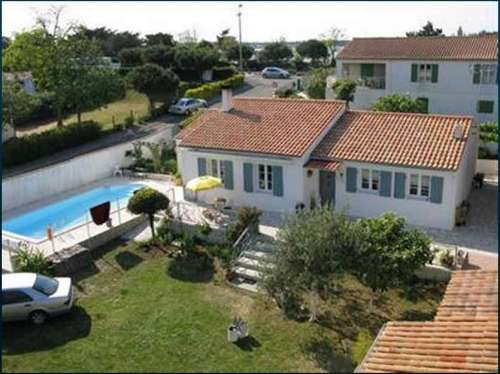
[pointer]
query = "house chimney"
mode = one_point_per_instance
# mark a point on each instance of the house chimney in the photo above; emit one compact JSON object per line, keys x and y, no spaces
{"x":458,"y":131}
{"x":227,"y":99}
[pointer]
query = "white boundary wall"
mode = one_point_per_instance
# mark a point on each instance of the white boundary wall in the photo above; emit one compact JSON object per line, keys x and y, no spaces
{"x":38,"y":184}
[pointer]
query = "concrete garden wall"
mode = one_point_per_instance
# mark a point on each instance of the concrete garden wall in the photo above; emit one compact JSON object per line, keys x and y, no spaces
{"x":38,"y":184}
{"x":487,"y":166}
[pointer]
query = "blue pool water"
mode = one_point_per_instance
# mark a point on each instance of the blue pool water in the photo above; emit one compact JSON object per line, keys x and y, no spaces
{"x":69,"y":212}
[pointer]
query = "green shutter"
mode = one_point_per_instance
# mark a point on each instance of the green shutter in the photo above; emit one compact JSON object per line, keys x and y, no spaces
{"x":367,"y":70}
{"x":399,"y":185}
{"x":228,"y":175}
{"x":277,"y":180}
{"x":425,"y":103}
{"x":437,"y":189}
{"x":202,"y":166}
{"x":385,"y":183}
{"x":476,"y":78}
{"x":414,"y":72}
{"x":248,"y":177}
{"x":434,"y":73}
{"x":484,"y":106}
{"x":351,"y":179}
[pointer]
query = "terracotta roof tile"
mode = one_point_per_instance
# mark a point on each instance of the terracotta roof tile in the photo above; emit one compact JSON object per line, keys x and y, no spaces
{"x":422,"y":48}
{"x":324,"y":165}
{"x":456,"y":341}
{"x":404,"y":139}
{"x":273,"y":126}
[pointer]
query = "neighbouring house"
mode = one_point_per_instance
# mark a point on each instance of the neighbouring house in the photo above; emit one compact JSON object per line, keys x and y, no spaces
{"x":462,"y":338}
{"x":25,"y":78}
{"x":452,"y":75}
{"x":282,"y":154}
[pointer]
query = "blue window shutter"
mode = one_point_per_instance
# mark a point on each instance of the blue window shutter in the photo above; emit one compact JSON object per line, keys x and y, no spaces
{"x":351,"y":179}
{"x":414,"y":72}
{"x":385,"y":183}
{"x":277,"y":180}
{"x":434,"y":73}
{"x":248,"y":177}
{"x":476,"y":77}
{"x":228,"y":175}
{"x":399,"y":185}
{"x":202,"y":166}
{"x":437,"y":190}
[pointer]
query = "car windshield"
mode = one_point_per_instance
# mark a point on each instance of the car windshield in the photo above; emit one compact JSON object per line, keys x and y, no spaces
{"x":183,"y":102}
{"x":45,"y":284}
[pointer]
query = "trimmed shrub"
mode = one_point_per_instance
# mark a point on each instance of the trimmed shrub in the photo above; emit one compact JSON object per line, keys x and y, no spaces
{"x":210,"y":90}
{"x":225,"y":72}
{"x":18,"y":151}
{"x":184,"y":86}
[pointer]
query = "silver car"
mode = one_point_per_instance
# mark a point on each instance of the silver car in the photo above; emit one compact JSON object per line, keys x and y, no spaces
{"x":274,"y":72}
{"x":35,"y":297}
{"x":187,"y":106}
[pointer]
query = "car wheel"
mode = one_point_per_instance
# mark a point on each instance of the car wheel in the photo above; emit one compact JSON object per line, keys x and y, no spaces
{"x":282,"y":76}
{"x":188,"y":112}
{"x":38,"y":317}
{"x":205,"y":105}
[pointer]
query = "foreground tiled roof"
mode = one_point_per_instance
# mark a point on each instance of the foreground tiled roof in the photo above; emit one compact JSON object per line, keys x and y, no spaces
{"x":422,"y":48}
{"x":403,"y":139}
{"x":324,"y":165}
{"x":262,"y":125}
{"x":462,"y":338}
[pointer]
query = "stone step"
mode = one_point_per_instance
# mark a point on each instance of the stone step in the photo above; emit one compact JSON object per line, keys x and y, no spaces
{"x":265,"y":246}
{"x":245,"y":285}
{"x":257,"y":255}
{"x":247,"y":273}
{"x":251,"y":263}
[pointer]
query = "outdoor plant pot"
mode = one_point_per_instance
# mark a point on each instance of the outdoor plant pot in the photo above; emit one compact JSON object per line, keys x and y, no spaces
{"x":237,"y":330}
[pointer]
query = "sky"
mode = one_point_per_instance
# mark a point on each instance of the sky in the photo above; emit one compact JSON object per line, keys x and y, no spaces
{"x":263,"y":21}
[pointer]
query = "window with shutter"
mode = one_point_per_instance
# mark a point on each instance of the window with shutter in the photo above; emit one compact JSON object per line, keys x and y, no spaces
{"x":485,"y":106}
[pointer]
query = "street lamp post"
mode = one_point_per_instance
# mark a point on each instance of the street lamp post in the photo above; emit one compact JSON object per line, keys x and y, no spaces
{"x":239,"y":26}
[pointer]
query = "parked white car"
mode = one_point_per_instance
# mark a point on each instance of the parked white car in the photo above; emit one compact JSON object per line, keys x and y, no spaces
{"x":274,"y":72}
{"x":35,"y":297}
{"x":187,"y":106}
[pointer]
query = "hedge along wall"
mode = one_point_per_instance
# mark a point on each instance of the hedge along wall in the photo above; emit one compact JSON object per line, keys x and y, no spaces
{"x":210,"y":90}
{"x":53,"y":180}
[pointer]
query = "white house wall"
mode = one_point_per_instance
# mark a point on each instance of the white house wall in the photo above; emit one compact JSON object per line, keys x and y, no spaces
{"x":467,"y":168}
{"x":416,"y":211}
{"x":453,"y":93}
{"x":293,"y":187}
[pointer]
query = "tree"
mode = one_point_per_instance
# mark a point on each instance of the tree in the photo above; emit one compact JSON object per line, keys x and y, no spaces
{"x":157,"y":83}
{"x":188,"y":37}
{"x":110,"y":41}
{"x":344,"y":89}
{"x":159,"y":54}
{"x":233,"y":53}
{"x":5,"y":42}
{"x":460,"y":31}
{"x":399,"y":103}
{"x":193,"y":58}
{"x":314,"y":49}
{"x":17,"y":104}
{"x":330,"y":39}
{"x":427,"y":30}
{"x":148,"y":201}
{"x":309,"y":257}
{"x":315,"y":83}
{"x":276,"y":52}
{"x":160,"y":38}
{"x":130,"y":57}
{"x":389,"y":253}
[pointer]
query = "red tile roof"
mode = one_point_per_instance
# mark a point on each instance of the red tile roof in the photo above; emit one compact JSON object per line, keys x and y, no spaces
{"x":263,"y":125}
{"x":324,"y":165}
{"x":469,"y":48}
{"x":403,"y":139}
{"x":462,"y":338}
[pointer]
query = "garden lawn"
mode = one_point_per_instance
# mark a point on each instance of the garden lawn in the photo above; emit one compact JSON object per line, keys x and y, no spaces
{"x":138,"y":314}
{"x":133,"y":101}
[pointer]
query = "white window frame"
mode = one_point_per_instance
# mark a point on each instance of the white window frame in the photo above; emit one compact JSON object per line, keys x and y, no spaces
{"x":487,"y":74}
{"x":219,"y":173}
{"x":268,"y":178}
{"x":426,"y":76}
{"x":419,"y":195}
{"x":370,"y":188}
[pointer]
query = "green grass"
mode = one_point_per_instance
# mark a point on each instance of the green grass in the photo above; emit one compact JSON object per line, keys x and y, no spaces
{"x":146,"y":312}
{"x":133,"y":101}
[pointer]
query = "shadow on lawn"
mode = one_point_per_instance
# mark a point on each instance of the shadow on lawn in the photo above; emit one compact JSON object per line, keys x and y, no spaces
{"x":128,"y":260}
{"x":248,"y":344}
{"x":194,"y":267}
{"x":24,"y":337}
{"x":323,"y":352}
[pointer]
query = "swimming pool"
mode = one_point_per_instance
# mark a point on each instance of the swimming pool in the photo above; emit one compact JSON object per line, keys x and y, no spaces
{"x":69,"y":212}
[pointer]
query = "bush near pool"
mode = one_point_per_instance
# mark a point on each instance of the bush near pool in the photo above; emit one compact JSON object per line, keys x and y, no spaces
{"x":31,"y":147}
{"x":210,"y":90}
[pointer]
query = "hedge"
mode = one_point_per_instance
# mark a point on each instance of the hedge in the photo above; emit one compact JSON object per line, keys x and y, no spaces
{"x":210,"y":90}
{"x":31,"y":147}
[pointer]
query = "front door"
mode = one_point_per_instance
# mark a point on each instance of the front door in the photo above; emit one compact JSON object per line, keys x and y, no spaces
{"x":327,"y":187}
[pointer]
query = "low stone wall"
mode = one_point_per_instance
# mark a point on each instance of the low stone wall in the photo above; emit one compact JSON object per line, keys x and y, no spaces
{"x":487,"y":166}
{"x":434,"y":273}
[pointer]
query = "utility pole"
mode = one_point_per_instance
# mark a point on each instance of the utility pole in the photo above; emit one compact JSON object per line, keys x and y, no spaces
{"x":239,"y":26}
